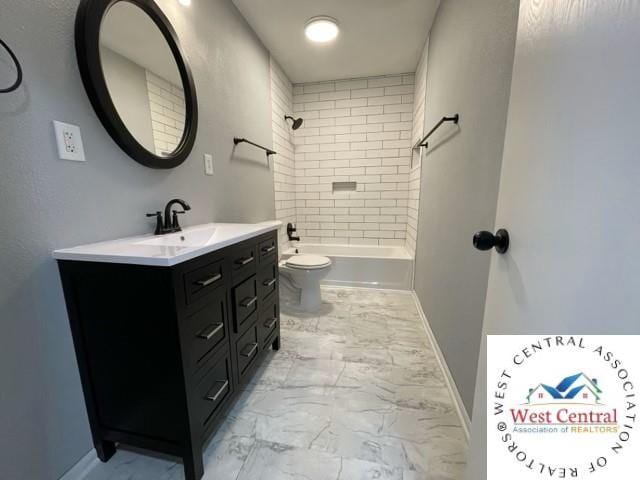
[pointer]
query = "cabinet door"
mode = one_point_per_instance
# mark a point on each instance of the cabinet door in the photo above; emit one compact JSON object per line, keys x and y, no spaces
{"x":247,"y":349}
{"x":267,"y":281}
{"x":243,"y":262}
{"x":204,"y":280}
{"x":245,"y":302}
{"x":268,"y":250}
{"x":213,"y":389}
{"x":207,"y":330}
{"x":268,"y":322}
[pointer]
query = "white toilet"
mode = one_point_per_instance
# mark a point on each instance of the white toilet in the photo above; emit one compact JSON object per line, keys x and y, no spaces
{"x":305,"y":272}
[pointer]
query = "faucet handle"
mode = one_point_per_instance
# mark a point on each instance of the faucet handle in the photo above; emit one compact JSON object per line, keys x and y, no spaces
{"x":175,"y":223}
{"x":158,"y":216}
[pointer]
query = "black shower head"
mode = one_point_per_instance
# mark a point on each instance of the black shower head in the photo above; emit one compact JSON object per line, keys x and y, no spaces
{"x":297,"y":122}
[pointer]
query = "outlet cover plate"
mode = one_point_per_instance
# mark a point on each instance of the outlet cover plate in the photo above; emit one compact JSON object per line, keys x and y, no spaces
{"x":69,"y":141}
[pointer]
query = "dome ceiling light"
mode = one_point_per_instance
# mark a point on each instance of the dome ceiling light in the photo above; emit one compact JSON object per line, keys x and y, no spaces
{"x":321,"y":29}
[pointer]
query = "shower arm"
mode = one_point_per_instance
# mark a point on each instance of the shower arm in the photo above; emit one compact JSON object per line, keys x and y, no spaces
{"x":296,"y":122}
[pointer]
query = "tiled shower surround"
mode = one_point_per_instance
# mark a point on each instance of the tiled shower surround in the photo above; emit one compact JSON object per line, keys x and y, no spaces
{"x":359,"y":130}
{"x":283,"y":163}
{"x":354,"y":131}
{"x":416,"y":158}
{"x":168,"y":113}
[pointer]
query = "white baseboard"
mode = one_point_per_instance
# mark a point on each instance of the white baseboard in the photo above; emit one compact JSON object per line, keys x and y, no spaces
{"x":451,"y":384}
{"x":81,"y":469}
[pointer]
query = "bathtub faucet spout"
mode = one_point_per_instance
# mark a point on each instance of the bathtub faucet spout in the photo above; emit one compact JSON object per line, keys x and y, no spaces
{"x":291,"y":229}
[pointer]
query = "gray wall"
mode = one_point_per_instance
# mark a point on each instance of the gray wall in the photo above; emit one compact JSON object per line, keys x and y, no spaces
{"x":48,"y":203}
{"x":470,"y":61}
{"x":127,"y":83}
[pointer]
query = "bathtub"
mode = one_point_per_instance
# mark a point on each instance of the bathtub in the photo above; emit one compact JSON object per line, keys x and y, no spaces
{"x":363,"y":265}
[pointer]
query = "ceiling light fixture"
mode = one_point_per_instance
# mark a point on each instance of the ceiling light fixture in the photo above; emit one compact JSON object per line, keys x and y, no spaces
{"x":186,"y":3}
{"x":321,"y":29}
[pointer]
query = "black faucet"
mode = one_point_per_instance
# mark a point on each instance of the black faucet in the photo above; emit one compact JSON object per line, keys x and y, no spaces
{"x":174,"y":226}
{"x":291,"y":229}
{"x":170,"y":223}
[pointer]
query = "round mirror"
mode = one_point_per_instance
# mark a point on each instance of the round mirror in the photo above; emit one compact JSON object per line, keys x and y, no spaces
{"x":137,"y":79}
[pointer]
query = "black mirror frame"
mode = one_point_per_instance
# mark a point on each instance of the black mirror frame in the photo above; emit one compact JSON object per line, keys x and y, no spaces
{"x":87,"y":38}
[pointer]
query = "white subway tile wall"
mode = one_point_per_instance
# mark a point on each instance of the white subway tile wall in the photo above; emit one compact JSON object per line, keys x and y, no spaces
{"x":283,"y":162}
{"x":416,"y":158}
{"x":360,"y":131}
{"x":168,"y":113}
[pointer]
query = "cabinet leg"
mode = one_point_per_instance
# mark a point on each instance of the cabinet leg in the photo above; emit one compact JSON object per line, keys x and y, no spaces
{"x":193,"y":466}
{"x":276,"y":343}
{"x":105,"y":449}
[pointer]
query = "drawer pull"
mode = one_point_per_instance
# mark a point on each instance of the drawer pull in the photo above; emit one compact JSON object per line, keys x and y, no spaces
{"x":208,"y":281}
{"x":269,"y":283}
{"x":252,"y":350}
{"x":215,"y":396}
{"x":269,"y":249}
{"x":247,"y":302}
{"x":244,"y":261}
{"x":210,"y":331}
{"x":269,"y":324}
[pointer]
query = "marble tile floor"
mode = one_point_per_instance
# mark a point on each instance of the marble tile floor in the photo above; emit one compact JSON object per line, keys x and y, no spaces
{"x":355,"y":393}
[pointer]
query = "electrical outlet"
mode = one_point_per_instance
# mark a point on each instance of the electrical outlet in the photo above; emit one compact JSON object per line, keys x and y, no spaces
{"x":69,"y":142}
{"x":208,"y":164}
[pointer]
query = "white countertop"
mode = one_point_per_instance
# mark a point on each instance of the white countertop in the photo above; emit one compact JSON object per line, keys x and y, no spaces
{"x":167,"y":250}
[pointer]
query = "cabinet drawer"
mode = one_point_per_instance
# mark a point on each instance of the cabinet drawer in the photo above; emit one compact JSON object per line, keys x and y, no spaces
{"x":267,"y":280}
{"x":212,"y":390}
{"x":207,"y":330}
{"x":245,"y":301}
{"x":247,"y":350}
{"x":268,"y":250}
{"x":268,"y":322}
{"x":243,"y":262}
{"x":203,"y":280}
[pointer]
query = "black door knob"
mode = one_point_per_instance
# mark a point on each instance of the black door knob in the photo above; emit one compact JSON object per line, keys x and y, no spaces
{"x":486,"y":240}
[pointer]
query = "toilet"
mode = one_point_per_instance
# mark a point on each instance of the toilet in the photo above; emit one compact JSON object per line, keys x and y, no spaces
{"x":305,"y":272}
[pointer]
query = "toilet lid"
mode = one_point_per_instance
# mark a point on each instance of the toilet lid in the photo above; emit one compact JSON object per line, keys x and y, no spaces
{"x":307,"y":261}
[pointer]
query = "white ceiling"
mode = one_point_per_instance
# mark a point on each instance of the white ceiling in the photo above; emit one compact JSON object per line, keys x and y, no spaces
{"x":377,"y":37}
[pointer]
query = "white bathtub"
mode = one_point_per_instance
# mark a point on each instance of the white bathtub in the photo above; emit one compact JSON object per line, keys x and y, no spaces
{"x":363,"y":265}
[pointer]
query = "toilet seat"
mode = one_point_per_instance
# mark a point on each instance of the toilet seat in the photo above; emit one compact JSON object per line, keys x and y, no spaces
{"x":308,"y":262}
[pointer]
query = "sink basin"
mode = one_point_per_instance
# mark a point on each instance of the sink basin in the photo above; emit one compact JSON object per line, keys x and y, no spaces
{"x":170,"y":249}
{"x":192,"y":238}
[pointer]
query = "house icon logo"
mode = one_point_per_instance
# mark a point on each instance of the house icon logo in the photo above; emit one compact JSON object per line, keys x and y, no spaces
{"x":575,"y":389}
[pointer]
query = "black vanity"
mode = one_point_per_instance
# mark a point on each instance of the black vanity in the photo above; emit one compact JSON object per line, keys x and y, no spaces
{"x":164,"y":350}
{"x":166,"y":329}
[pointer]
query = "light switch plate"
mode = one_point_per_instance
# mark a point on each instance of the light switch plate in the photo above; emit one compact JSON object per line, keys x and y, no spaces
{"x":208,"y":164}
{"x":69,"y":141}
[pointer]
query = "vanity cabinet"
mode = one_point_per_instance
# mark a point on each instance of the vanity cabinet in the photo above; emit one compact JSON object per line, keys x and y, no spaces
{"x":163,"y":351}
